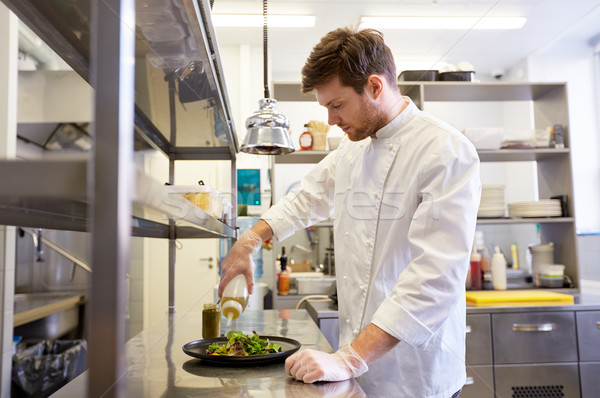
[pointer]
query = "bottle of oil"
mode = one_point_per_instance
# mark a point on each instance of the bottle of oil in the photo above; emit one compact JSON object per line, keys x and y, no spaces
{"x":235,"y":298}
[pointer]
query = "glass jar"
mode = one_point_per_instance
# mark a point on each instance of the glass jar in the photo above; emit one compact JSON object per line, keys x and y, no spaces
{"x":211,"y":321}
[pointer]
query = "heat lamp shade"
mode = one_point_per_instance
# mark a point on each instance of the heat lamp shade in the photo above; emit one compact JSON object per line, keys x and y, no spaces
{"x":267,"y":131}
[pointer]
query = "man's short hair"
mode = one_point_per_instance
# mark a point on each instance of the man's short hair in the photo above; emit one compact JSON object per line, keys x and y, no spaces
{"x":350,"y":54}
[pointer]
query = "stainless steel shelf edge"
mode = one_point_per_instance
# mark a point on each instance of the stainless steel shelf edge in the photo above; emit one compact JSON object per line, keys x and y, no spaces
{"x":57,"y":200}
{"x":500,"y":155}
{"x":445,"y":91}
{"x":532,"y":220}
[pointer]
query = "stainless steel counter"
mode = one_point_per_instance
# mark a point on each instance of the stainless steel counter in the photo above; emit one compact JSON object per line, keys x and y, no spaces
{"x":158,"y":367}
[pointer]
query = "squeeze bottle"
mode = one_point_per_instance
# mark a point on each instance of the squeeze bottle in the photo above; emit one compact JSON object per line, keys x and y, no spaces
{"x":235,"y":298}
{"x":475,"y":270}
{"x":498,"y":270}
{"x":283,"y":278}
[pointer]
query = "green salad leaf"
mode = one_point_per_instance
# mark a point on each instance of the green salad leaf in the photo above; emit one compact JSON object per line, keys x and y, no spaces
{"x":241,"y":344}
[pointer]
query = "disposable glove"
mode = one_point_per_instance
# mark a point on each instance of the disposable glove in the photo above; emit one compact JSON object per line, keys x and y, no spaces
{"x":310,"y":365}
{"x":239,"y":260}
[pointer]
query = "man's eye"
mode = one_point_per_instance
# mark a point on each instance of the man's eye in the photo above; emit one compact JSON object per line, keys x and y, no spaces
{"x":336,"y":106}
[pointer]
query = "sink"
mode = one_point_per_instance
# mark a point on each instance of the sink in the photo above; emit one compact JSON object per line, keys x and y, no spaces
{"x":47,"y":315}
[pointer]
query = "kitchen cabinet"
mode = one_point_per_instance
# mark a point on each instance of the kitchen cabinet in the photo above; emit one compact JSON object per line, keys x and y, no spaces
{"x":545,"y":104}
{"x":172,"y":99}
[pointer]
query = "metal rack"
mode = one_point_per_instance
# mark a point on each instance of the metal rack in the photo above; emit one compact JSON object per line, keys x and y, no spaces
{"x":104,"y":194}
{"x":548,"y":103}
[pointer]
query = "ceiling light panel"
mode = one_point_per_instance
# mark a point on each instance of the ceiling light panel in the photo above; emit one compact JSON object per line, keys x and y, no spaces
{"x":442,"y":23}
{"x":256,"y":21}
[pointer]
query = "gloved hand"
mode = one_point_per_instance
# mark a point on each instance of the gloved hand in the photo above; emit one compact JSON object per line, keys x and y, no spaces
{"x":310,"y":365}
{"x":239,"y":260}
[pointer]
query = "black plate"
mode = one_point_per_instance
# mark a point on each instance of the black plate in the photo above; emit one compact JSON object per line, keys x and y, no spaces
{"x":198,"y":348}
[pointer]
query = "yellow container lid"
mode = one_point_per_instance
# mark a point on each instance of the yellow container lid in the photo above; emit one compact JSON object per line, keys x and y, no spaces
{"x":490,"y":298}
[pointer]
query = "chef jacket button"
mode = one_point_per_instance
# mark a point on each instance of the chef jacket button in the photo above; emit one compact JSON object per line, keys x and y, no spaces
{"x":347,"y":320}
{"x":391,"y":146}
{"x":376,"y":194}
{"x":355,"y":331}
{"x":362,"y":287}
{"x":345,"y":277}
{"x":347,"y":233}
{"x":349,"y":187}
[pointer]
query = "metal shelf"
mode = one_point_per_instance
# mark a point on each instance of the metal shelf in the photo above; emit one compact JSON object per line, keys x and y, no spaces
{"x":445,"y":91}
{"x":205,"y":121}
{"x":500,"y":155}
{"x":520,"y":155}
{"x":532,"y":220}
{"x":58,"y":200}
{"x":301,"y":157}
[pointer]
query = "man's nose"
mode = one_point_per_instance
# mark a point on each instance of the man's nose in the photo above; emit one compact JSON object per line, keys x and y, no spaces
{"x":332,"y":119}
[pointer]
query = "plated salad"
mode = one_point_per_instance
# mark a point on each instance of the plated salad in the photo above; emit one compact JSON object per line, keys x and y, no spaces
{"x":241,"y":344}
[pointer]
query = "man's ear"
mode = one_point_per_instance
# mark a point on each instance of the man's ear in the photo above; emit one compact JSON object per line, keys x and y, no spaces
{"x":375,"y":86}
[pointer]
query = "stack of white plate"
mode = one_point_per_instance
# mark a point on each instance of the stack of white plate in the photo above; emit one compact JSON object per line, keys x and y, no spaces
{"x":492,"y":201}
{"x":539,"y":208}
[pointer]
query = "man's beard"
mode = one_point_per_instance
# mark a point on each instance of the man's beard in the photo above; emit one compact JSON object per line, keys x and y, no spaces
{"x":371,"y":120}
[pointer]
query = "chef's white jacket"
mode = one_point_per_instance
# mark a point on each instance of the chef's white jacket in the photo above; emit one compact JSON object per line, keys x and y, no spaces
{"x":404,"y":208}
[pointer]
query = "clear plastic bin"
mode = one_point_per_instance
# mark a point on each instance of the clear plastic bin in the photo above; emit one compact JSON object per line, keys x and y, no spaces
{"x":42,"y":369}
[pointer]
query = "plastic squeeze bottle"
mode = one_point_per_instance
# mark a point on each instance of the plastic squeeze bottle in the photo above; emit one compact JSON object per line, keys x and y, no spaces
{"x":235,"y":298}
{"x":283,"y":278}
{"x":476,"y":278}
{"x":499,"y":270}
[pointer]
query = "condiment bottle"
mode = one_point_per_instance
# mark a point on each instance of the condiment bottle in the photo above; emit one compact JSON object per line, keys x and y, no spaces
{"x":211,"y":321}
{"x":499,"y":270}
{"x":486,"y":270}
{"x":235,"y":298}
{"x":514,"y":252}
{"x":306,"y":139}
{"x":475,"y":270}
{"x":283,"y":278}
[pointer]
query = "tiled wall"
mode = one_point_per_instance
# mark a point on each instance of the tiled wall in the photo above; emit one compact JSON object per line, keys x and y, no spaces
{"x":7,"y":282}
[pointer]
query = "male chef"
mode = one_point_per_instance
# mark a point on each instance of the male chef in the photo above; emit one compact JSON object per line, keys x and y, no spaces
{"x":403,"y":191}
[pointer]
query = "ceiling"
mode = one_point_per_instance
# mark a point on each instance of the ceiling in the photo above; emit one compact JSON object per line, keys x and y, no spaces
{"x":548,"y":21}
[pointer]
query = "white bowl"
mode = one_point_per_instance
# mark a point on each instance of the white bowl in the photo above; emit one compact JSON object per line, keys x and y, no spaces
{"x":334,"y":142}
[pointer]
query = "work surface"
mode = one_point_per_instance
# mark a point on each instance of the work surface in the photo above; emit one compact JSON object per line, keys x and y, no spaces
{"x":158,"y":367}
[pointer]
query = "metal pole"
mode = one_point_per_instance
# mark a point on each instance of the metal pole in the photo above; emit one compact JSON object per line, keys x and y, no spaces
{"x":112,"y":60}
{"x":172,"y":234}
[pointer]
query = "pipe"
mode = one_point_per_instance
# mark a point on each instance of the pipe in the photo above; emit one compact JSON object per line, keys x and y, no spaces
{"x":38,"y":237}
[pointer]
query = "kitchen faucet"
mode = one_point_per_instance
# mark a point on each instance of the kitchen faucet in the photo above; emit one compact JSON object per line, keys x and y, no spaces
{"x":37,"y":243}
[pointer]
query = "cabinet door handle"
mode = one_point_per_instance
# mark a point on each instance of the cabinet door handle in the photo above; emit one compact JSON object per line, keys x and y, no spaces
{"x":469,"y":381}
{"x":468,"y":328}
{"x":533,"y":327}
{"x":598,"y":324}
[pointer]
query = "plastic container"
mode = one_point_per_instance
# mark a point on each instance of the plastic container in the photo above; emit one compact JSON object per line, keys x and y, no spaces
{"x":457,"y":76}
{"x":552,"y":275}
{"x":499,"y":270}
{"x":235,"y":298}
{"x":418,"y":75}
{"x":485,"y":137}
